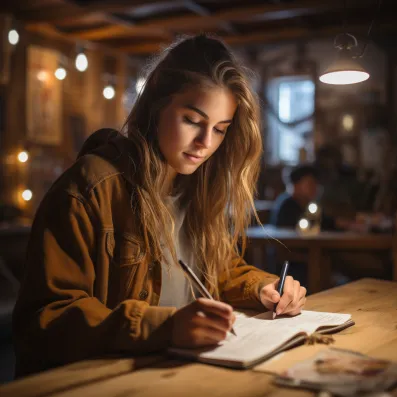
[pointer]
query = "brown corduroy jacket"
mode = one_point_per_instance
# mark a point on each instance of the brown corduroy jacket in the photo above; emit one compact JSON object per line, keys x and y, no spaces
{"x":82,"y":253}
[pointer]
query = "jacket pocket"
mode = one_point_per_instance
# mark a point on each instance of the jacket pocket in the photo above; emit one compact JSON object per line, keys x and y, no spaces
{"x":125,"y":255}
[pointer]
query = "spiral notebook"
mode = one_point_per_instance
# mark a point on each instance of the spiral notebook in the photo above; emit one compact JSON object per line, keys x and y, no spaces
{"x":260,"y":337}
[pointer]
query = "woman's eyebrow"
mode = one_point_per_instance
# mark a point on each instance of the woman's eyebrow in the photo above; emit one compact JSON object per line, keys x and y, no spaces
{"x":191,"y":107}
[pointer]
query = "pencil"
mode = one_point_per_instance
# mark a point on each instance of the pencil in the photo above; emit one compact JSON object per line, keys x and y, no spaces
{"x":280,"y":287}
{"x":199,"y":285}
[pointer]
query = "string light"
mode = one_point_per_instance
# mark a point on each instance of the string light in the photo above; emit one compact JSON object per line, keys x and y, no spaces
{"x":13,"y":37}
{"x":313,"y":208}
{"x":109,"y":92}
{"x":23,"y":157}
{"x":60,"y":73}
{"x":303,"y":224}
{"x":27,"y":195}
{"x":348,"y":122}
{"x":42,"y":75}
{"x":81,"y":62}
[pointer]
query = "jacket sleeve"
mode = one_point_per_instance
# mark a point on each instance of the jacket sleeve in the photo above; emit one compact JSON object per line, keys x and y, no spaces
{"x":57,"y":319}
{"x":240,"y":286}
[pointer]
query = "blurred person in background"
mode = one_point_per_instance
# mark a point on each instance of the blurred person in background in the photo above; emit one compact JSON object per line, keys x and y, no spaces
{"x":302,"y":188}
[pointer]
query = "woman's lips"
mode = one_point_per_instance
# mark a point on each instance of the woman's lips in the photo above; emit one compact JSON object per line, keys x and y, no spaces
{"x":192,"y":158}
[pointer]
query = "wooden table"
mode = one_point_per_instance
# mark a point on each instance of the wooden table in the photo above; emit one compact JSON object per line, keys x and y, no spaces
{"x":372,"y":303}
{"x":317,"y":248}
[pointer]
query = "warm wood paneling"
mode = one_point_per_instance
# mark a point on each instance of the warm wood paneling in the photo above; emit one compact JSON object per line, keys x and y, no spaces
{"x":82,"y":103}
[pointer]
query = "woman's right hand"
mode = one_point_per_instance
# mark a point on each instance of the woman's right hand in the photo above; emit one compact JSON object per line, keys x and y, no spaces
{"x":201,"y":323}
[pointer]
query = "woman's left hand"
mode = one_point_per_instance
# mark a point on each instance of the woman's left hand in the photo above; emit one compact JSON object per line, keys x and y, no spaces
{"x":292,"y":300}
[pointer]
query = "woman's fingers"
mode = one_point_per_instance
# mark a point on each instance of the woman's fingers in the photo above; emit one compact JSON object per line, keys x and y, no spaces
{"x":214,"y":307}
{"x":210,"y":335}
{"x":299,"y":305}
{"x":287,"y":296}
{"x":202,"y":322}
{"x":212,"y":321}
{"x":295,"y":298}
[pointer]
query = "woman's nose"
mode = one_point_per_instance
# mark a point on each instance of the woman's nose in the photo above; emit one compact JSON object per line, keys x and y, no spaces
{"x":204,"y":138}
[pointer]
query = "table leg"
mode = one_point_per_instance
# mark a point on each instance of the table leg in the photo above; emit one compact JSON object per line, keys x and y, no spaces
{"x":326,"y":267}
{"x":315,"y":271}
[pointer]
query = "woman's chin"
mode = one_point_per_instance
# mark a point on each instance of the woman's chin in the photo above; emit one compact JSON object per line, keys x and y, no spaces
{"x":188,"y":172}
{"x":186,"y":169}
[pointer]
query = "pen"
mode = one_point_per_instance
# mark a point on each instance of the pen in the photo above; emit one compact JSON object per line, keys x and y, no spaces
{"x":280,"y":287}
{"x":199,"y":285}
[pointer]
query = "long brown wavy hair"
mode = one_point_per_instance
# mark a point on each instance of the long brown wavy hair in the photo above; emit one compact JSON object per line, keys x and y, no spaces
{"x":218,"y":196}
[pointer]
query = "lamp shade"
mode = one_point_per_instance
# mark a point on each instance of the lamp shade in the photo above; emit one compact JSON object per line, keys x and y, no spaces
{"x":344,"y":70}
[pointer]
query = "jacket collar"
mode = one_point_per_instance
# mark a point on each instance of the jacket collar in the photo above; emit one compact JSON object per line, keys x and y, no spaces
{"x":111,"y":145}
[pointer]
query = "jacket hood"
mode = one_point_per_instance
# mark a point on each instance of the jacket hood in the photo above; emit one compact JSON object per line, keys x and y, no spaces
{"x":97,"y":139}
{"x":111,"y":145}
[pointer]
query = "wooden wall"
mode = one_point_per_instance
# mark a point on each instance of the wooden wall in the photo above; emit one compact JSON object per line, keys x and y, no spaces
{"x":83,"y":107}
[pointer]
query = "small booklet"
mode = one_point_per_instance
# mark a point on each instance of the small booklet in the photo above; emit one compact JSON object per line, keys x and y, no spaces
{"x":341,"y":372}
{"x":260,"y":337}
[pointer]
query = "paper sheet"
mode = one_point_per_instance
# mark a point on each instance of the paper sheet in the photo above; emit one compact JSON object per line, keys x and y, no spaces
{"x":260,"y":335}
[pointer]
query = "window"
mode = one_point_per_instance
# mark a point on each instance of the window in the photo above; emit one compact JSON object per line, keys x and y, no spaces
{"x":290,"y":121}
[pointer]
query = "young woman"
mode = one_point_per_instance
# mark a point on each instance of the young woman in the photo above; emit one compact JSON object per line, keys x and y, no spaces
{"x":102,"y":271}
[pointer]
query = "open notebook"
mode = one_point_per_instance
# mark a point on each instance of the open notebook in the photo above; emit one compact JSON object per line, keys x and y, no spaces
{"x":260,"y":337}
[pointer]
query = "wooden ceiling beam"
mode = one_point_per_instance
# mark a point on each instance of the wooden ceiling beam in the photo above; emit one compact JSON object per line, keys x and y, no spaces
{"x":47,"y":30}
{"x":265,"y":37}
{"x":185,"y":23}
{"x":276,"y":36}
{"x":147,"y":48}
{"x":57,"y":13}
{"x":112,"y":31}
{"x":241,"y":14}
{"x":200,"y":10}
{"x":117,"y":26}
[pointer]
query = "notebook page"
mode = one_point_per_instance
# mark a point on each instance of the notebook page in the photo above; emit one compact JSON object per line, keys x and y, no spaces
{"x":260,"y":335}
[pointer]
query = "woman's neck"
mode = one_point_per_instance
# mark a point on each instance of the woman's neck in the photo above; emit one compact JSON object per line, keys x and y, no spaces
{"x":169,"y":181}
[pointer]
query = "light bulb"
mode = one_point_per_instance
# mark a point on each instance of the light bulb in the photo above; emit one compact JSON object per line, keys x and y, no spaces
{"x":27,"y":194}
{"x":344,"y":77}
{"x":13,"y":37}
{"x":109,"y":92}
{"x":81,"y":62}
{"x":42,"y":76}
{"x":23,"y":157}
{"x":303,"y":224}
{"x":60,"y":73}
{"x":313,"y":208}
{"x":346,"y":68}
{"x":348,"y":122}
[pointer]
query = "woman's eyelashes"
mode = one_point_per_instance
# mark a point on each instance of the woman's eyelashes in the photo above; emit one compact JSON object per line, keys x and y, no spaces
{"x":187,"y":120}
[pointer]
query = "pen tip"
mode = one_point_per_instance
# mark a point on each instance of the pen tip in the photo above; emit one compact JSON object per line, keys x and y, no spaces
{"x":233,"y":332}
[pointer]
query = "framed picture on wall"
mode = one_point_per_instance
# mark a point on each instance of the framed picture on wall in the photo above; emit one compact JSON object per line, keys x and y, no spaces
{"x":44,"y":97}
